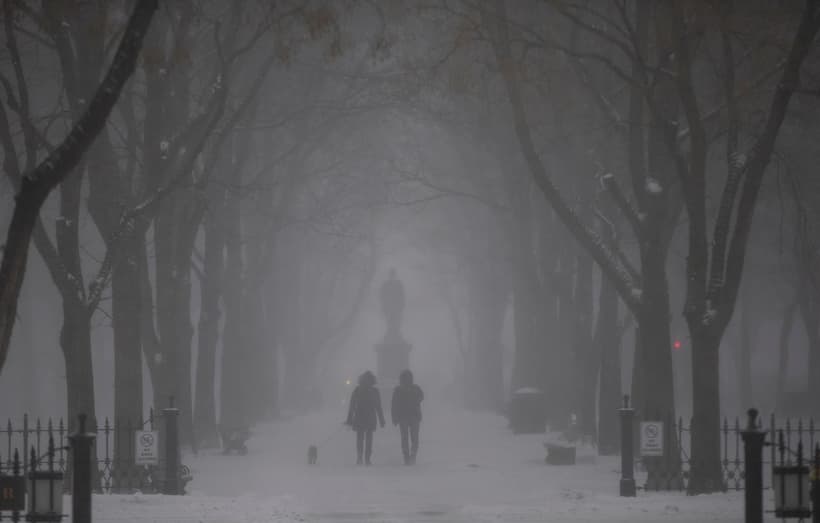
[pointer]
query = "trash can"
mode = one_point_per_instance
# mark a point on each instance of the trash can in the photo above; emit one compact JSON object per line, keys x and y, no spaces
{"x":527,"y":412}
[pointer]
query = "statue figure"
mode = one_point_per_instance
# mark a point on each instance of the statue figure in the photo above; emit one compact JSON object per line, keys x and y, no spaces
{"x":392,"y":301}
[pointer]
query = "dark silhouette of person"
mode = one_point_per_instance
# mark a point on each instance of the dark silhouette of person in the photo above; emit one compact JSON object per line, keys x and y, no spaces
{"x":365,"y":410}
{"x":405,"y":411}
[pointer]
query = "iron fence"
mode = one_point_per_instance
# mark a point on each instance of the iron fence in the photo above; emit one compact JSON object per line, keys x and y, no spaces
{"x":673,"y":474}
{"x":115,"y":469}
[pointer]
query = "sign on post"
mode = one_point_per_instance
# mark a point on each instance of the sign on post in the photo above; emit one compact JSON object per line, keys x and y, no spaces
{"x":147,"y":451}
{"x":651,"y":438}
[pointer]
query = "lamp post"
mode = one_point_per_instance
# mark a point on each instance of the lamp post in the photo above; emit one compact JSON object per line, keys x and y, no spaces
{"x":753,"y":441}
{"x":627,"y":487}
{"x":171,"y":417}
{"x":45,"y":499}
{"x":815,"y":486}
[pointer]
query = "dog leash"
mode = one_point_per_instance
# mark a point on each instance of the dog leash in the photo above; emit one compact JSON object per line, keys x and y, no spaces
{"x":332,"y":435}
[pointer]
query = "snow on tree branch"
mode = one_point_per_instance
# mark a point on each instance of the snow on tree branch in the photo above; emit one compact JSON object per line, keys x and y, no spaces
{"x":629,"y":211}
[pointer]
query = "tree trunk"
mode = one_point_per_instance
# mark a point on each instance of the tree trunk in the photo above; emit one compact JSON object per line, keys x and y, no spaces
{"x":166,"y":291}
{"x":783,"y":359}
{"x":75,"y":341}
{"x":809,"y":314}
{"x":314,"y":319}
{"x":653,"y":375}
{"x":264,"y":343}
{"x":655,"y":233}
{"x":528,"y":370}
{"x":288,"y":299}
{"x":174,"y":234}
{"x":654,"y":382}
{"x":556,"y":315}
{"x":561,"y":308}
{"x":15,"y":259}
{"x":607,"y":343}
{"x":745,"y":356}
{"x":125,"y":311}
{"x":586,"y":362}
{"x":185,"y":332}
{"x":705,"y":451}
{"x":487,"y":308}
{"x":151,"y":350}
{"x":33,"y":312}
{"x":208,"y":339}
{"x":233,"y":411}
{"x":550,"y":329}
{"x":272,"y":344}
{"x":257,"y":364}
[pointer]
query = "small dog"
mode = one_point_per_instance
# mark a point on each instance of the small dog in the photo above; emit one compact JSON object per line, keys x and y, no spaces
{"x":313,"y":454}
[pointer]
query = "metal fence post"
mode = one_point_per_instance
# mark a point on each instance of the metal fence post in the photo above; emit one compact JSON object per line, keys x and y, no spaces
{"x":17,"y":472}
{"x":627,"y":415}
{"x":171,"y":418}
{"x":815,"y":486}
{"x":81,"y":445}
{"x":753,"y":441}
{"x":25,"y":441}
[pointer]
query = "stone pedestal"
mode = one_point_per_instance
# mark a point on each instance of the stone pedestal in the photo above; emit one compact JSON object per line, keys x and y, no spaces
{"x":392,"y":357}
{"x":393,"y":353}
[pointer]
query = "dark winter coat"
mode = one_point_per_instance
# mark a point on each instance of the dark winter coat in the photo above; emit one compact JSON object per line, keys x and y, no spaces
{"x":407,"y":398}
{"x":365,"y":407}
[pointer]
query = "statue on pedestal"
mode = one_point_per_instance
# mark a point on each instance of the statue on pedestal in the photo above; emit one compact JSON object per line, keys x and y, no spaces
{"x":392,"y":354}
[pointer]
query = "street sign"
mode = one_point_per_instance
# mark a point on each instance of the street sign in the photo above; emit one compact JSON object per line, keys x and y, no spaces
{"x":651,"y":438}
{"x":12,"y":493}
{"x":147,"y":451}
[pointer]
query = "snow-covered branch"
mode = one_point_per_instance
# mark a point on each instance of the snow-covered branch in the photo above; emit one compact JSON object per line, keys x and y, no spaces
{"x":629,"y":211}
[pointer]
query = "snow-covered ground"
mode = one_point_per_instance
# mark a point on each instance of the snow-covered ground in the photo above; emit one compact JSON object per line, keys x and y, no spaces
{"x":470,"y":469}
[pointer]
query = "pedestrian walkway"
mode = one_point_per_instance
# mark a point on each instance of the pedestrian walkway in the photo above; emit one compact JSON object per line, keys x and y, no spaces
{"x":470,"y":469}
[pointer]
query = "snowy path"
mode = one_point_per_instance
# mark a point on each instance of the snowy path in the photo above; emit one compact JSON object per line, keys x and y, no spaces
{"x":470,"y":469}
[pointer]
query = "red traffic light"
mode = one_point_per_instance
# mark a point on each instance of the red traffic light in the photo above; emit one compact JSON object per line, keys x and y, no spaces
{"x":676,"y":345}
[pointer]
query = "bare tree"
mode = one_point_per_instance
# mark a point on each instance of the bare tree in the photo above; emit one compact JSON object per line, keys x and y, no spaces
{"x":713,"y":273}
{"x":35,"y":185}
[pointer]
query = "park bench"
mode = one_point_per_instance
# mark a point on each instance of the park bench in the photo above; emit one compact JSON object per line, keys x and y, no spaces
{"x":233,"y":439}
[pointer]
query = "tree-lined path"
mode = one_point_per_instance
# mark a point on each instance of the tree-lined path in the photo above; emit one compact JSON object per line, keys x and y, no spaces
{"x":470,"y":468}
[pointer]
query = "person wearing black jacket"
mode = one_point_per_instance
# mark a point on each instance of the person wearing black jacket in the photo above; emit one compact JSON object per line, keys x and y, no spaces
{"x":365,"y":409}
{"x":405,"y":411}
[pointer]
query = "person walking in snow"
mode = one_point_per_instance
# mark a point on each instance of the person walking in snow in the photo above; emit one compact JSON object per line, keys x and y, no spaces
{"x":365,"y":410}
{"x":405,"y":411}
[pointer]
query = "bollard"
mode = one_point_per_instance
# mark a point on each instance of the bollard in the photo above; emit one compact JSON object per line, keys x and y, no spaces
{"x":81,"y":446}
{"x":627,"y":415}
{"x":815,"y":486}
{"x":753,"y":441}
{"x":171,"y":417}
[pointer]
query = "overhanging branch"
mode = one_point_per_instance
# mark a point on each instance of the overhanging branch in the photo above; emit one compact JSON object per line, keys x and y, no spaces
{"x":606,"y":259}
{"x":628,"y":210}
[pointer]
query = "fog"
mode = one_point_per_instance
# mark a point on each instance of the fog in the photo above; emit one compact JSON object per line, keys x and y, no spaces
{"x":566,"y":218}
